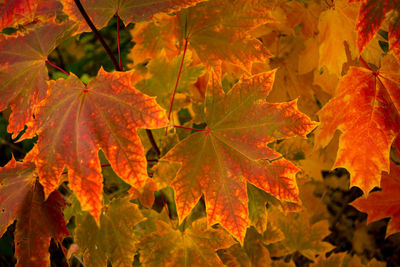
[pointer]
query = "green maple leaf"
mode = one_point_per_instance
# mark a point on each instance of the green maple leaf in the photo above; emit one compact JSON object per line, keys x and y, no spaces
{"x":196,"y":245}
{"x":300,"y":234}
{"x":164,"y":73}
{"x":114,"y":239}
{"x":219,"y":160}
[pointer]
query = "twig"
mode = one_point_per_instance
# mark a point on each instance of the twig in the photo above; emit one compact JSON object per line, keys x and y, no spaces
{"x":153,"y":142}
{"x":96,"y":32}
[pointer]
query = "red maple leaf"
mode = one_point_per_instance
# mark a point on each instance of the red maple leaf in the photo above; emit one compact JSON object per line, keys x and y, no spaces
{"x":75,"y":121}
{"x":23,"y":72}
{"x":38,"y":220}
{"x":385,"y":203}
{"x":372,"y":14}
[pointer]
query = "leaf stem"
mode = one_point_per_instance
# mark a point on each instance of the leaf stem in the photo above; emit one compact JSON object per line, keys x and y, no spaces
{"x":119,"y":47}
{"x":96,"y":32}
{"x":57,"y":67}
{"x":365,"y":64}
{"x":165,"y":204}
{"x":177,"y":79}
{"x":188,"y":128}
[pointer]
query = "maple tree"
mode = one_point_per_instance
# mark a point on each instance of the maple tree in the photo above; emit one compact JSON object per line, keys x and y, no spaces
{"x":209,"y":141}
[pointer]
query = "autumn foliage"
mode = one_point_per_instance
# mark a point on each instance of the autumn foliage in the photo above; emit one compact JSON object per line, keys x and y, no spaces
{"x":213,"y":131}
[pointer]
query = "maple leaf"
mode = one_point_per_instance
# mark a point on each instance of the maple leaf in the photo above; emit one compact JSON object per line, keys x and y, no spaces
{"x":16,"y":181}
{"x":357,"y":261}
{"x":163,"y":77}
{"x":218,"y":30}
{"x":305,"y":14}
{"x":370,"y":17}
{"x":256,"y":250}
{"x":394,"y":35}
{"x":258,"y":214}
{"x":253,"y":252}
{"x":215,"y":30}
{"x":370,"y":123}
{"x":336,"y":26}
{"x":114,"y":240}
{"x":101,"y":11}
{"x":234,"y":256}
{"x":75,"y":121}
{"x":146,"y":195}
{"x":294,"y":64}
{"x":344,"y":260}
{"x":196,"y":245}
{"x":153,"y":36}
{"x":12,"y":11}
{"x":327,"y":81}
{"x":23,"y":72}
{"x":373,"y":52}
{"x":289,"y":84}
{"x":384,"y":203}
{"x":229,"y":152}
{"x":22,"y":198}
{"x":25,"y":12}
{"x":257,"y":208}
{"x":312,"y":162}
{"x":332,"y":260}
{"x":300,"y":234}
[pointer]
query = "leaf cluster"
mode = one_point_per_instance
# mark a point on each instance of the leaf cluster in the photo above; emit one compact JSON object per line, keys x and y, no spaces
{"x":210,"y":137}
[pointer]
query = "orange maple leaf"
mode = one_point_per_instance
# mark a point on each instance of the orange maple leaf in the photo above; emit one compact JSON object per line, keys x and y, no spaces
{"x":25,"y":12}
{"x":216,"y":30}
{"x":367,"y":112}
{"x":219,"y":160}
{"x":23,"y":72}
{"x":12,"y":11}
{"x":385,"y":203}
{"x":75,"y":121}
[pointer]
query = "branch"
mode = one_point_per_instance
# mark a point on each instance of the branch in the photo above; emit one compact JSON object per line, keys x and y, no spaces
{"x":153,"y":142}
{"x":96,"y":32}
